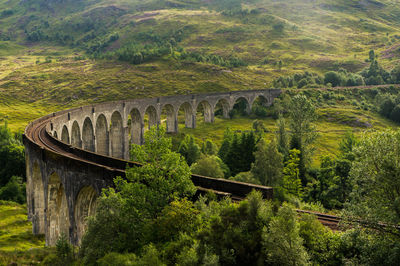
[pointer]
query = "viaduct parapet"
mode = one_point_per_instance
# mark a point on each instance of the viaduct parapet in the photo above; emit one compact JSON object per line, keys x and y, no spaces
{"x":73,"y":154}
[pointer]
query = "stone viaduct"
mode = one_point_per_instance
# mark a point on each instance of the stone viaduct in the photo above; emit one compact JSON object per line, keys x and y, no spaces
{"x":73,"y":154}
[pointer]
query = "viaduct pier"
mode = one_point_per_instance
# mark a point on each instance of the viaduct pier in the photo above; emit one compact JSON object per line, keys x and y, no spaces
{"x":73,"y":154}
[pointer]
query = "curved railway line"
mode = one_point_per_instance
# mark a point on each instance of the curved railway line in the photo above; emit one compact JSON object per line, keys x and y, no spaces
{"x":39,"y":135}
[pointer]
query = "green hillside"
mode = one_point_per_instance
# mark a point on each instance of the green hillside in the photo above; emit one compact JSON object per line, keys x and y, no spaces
{"x":56,"y":54}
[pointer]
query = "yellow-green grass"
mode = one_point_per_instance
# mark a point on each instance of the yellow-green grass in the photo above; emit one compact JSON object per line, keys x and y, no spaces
{"x":330,"y":129}
{"x":16,"y":230}
{"x":17,"y":243}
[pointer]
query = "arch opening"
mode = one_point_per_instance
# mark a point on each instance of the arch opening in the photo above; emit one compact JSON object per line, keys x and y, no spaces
{"x":57,"y":210}
{"x":88,"y":135}
{"x":102,"y":137}
{"x":168,"y":117}
{"x":55,"y":134}
{"x":135,"y":125}
{"x":260,"y":106}
{"x":117,"y":135}
{"x":150,"y":117}
{"x":241,"y":107}
{"x":204,"y":112}
{"x":85,"y":206}
{"x":65,"y":135}
{"x":222,"y":108}
{"x":185,"y":115}
{"x":76,"y":135}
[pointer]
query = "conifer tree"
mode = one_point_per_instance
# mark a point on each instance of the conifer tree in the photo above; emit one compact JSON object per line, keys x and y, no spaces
{"x":291,"y":174}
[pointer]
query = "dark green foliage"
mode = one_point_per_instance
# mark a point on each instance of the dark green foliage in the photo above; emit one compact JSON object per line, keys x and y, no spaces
{"x":395,"y":75}
{"x":240,"y":155}
{"x":375,"y":74}
{"x":12,"y":156}
{"x":386,"y":107}
{"x":14,"y":190}
{"x":302,"y":115}
{"x":268,"y":165}
{"x":246,"y":177}
{"x":123,"y":217}
{"x":395,"y":114}
{"x":231,"y":61}
{"x":210,"y":165}
{"x":240,"y":108}
{"x":189,"y":149}
{"x":331,"y":185}
{"x":64,"y":253}
{"x":333,"y":78}
{"x":209,"y":148}
{"x":299,"y":80}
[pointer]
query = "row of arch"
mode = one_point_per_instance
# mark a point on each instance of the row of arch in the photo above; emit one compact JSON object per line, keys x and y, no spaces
{"x":51,"y":212}
{"x":109,"y":137}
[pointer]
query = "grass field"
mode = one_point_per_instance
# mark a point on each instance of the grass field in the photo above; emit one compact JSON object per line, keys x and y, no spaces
{"x":17,"y":243}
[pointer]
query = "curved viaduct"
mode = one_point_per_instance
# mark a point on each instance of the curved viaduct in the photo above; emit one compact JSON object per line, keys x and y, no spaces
{"x":73,"y":154}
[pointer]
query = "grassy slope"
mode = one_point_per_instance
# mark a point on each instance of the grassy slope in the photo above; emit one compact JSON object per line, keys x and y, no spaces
{"x":16,"y":240}
{"x":318,"y":36}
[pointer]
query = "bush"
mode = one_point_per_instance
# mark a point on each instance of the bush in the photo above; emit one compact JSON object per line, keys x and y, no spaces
{"x":14,"y":190}
{"x":395,"y":114}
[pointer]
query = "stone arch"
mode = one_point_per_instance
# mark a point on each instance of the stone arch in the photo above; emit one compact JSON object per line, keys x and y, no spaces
{"x":187,"y":110}
{"x":55,"y":134}
{"x":117,"y":135}
{"x":57,"y":210}
{"x":260,"y":100}
{"x":259,"y":106}
{"x":169,"y":113}
{"x":150,"y":117}
{"x":38,"y":202}
{"x":205,"y":109}
{"x":76,"y":135}
{"x":85,"y":205}
{"x":136,"y":127}
{"x":222,"y":108}
{"x":65,"y":135}
{"x":242,"y":105}
{"x":102,"y":137}
{"x":88,"y":135}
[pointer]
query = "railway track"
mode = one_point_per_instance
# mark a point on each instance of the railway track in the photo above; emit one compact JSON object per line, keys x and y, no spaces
{"x":328,"y":220}
{"x":40,"y":136}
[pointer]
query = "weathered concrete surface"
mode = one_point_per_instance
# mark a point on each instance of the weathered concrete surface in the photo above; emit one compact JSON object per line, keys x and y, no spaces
{"x":68,"y":160}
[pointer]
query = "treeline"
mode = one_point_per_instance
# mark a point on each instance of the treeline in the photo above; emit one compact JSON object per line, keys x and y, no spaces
{"x":12,"y":166}
{"x":148,"y":218}
{"x":373,"y":75}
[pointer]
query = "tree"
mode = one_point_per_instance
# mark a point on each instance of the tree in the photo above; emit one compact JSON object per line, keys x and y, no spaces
{"x":122,"y":222}
{"x":371,"y":55}
{"x":333,"y":78}
{"x":386,"y":107}
{"x":241,"y":152}
{"x":209,"y":166}
{"x":281,"y":241}
{"x":189,"y":149}
{"x":395,"y":114}
{"x":225,"y":146}
{"x":268,"y":164}
{"x":302,"y":115}
{"x":209,"y":148}
{"x":12,"y":156}
{"x":291,"y":175}
{"x":14,"y":190}
{"x":246,"y":177}
{"x":375,"y":174}
{"x":395,"y":74}
{"x":282,"y":137}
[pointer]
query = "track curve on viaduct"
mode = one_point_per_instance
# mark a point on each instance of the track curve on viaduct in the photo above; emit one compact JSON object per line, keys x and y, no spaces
{"x":73,"y":154}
